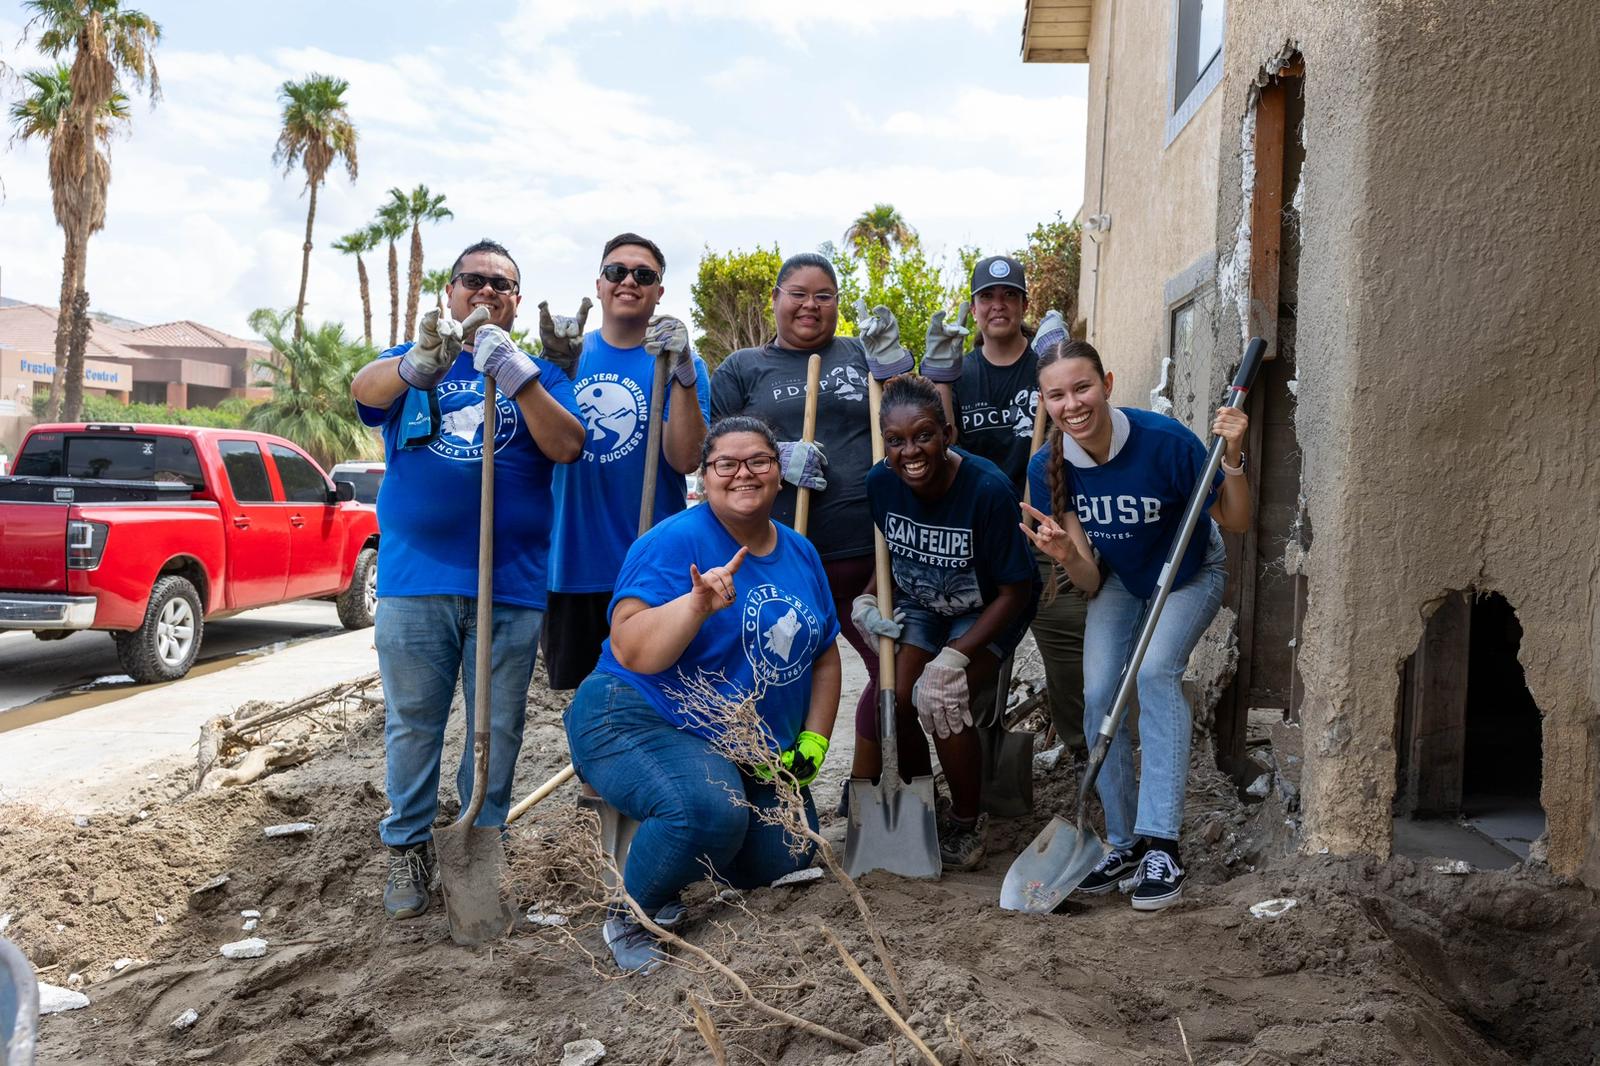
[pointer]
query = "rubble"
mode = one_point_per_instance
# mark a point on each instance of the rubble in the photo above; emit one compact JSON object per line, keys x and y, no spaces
{"x":1273,"y":908}
{"x":186,"y":1019}
{"x":289,"y":829}
{"x":251,"y":948}
{"x":582,"y":1053}
{"x":53,"y":999}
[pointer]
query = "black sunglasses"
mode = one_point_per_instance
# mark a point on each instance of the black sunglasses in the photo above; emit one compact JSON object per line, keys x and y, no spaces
{"x":474,"y":282}
{"x":615,"y":272}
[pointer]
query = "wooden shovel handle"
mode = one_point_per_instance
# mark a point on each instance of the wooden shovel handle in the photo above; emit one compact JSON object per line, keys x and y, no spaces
{"x":540,"y":793}
{"x":880,"y":548}
{"x":652,"y":445}
{"x":808,"y":433}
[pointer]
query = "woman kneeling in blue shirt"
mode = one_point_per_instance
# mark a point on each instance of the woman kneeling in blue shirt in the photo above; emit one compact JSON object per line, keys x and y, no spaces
{"x":721,"y":595}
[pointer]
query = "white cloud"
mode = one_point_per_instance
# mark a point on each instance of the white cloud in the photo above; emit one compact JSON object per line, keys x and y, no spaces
{"x":744,"y":72}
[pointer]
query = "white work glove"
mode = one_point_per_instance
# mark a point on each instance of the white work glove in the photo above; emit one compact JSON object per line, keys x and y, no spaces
{"x":871,"y":623}
{"x":561,"y":336}
{"x":880,"y":335}
{"x":800,"y":463}
{"x":439,"y":338}
{"x":941,"y":356}
{"x":667,"y":334}
{"x":496,"y":355}
{"x":940,"y":694}
{"x":1051,"y":332}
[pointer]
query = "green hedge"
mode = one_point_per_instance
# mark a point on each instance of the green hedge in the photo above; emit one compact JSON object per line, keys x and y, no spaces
{"x":229,"y":414}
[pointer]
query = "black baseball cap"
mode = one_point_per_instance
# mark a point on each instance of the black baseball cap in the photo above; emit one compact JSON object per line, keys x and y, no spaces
{"x":999,"y":270}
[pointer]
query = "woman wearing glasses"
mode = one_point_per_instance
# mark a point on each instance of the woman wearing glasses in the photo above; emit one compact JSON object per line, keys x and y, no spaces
{"x":717,"y":595}
{"x":769,"y":382}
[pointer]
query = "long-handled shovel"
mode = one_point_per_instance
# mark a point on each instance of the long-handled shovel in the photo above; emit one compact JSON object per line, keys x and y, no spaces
{"x":893,"y":825}
{"x":472,"y":858}
{"x":1061,"y":856}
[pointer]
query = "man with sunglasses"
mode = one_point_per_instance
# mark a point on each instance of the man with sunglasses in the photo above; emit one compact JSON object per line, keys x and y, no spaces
{"x":597,"y":498}
{"x":428,"y":509}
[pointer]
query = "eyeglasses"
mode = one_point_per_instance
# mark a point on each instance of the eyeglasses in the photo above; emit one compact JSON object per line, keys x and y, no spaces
{"x":756,"y":464}
{"x":474,"y":282}
{"x":615,"y":272}
{"x":800,"y":296}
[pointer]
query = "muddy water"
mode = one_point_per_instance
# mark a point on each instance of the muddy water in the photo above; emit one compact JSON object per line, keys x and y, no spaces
{"x":95,"y":695}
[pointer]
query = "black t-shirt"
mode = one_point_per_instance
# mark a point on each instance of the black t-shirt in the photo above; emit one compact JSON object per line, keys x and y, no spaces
{"x":770,"y":383}
{"x":951,"y":555}
{"x":995,"y":407}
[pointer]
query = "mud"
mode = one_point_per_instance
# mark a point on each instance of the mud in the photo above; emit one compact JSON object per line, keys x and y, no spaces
{"x":1377,"y":963}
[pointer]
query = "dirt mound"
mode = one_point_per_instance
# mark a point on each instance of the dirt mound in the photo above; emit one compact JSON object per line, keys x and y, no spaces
{"x":1377,"y":962}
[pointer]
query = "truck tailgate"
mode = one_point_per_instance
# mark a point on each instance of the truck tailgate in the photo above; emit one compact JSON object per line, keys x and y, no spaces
{"x":35,"y":539}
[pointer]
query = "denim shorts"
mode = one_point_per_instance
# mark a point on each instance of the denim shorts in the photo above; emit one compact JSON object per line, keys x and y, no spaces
{"x":931,"y":631}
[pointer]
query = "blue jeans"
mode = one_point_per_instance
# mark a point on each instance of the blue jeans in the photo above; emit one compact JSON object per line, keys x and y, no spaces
{"x":1152,"y":804}
{"x":931,"y":631}
{"x":680,"y":791}
{"x":424,"y":643}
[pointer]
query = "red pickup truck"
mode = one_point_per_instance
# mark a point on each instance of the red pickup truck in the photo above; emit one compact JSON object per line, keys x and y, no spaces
{"x":148,"y":531}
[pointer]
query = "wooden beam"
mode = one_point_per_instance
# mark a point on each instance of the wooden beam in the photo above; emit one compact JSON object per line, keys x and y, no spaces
{"x":1056,"y":55}
{"x":1266,"y":215}
{"x":1434,"y":751}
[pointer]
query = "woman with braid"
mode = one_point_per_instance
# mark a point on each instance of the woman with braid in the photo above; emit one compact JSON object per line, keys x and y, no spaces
{"x":1119,"y":478}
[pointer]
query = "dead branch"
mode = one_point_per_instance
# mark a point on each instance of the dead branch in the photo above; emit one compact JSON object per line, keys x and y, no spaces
{"x":877,"y":995}
{"x":708,"y":1031}
{"x":255,"y":764}
{"x":969,"y":1054}
{"x":1185,"y":1038}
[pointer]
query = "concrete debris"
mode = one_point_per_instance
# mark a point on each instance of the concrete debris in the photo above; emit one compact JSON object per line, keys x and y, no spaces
{"x":582,"y":1053}
{"x":81,"y":821}
{"x":160,"y":920}
{"x":60,"y":928}
{"x":186,"y":1019}
{"x":800,"y":877}
{"x":1212,"y":832}
{"x":289,"y":829}
{"x":143,"y":815}
{"x":121,"y":964}
{"x":1273,"y":908}
{"x":250,"y":924}
{"x":550,"y":918}
{"x":53,"y":999}
{"x":1260,"y":787}
{"x":1045,"y":761}
{"x":253,"y":948}
{"x":1455,"y":867}
{"x":74,"y":980}
{"x":249,"y":914}
{"x":215,"y":882}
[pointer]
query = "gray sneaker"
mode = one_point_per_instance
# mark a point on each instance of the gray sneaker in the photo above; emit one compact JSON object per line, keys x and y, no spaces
{"x":411,"y":872}
{"x":962,"y":847}
{"x":635,"y":948}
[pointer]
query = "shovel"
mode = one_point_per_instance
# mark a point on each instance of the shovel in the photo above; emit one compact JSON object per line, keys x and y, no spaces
{"x":1062,"y":855}
{"x":19,"y":1007}
{"x":892,"y":824}
{"x":472,"y":858}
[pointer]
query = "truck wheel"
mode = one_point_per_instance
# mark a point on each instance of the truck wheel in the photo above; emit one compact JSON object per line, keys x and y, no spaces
{"x":358,"y":604}
{"x":165,"y":646}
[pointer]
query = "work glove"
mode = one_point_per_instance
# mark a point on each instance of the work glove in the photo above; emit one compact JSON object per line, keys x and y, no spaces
{"x":941,"y":357}
{"x":870,"y":623}
{"x":880,"y":335}
{"x":803,"y":760}
{"x":1051,"y":332}
{"x":561,"y":336}
{"x":496,"y":355}
{"x":801,"y":464}
{"x":439,"y":338}
{"x":667,"y":334}
{"x":940,"y":694}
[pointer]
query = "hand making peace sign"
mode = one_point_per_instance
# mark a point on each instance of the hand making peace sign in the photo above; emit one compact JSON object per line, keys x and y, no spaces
{"x":1050,"y":538}
{"x":714,"y":589}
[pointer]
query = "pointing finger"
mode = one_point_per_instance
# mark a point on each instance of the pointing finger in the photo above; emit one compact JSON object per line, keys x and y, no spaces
{"x":545,"y":322}
{"x":583,"y":313}
{"x":737,"y":561}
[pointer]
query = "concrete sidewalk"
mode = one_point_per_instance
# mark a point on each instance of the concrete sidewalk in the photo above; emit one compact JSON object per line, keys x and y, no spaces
{"x":98,"y":756}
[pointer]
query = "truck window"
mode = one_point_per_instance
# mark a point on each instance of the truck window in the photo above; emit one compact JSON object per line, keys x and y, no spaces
{"x":247,"y":471}
{"x":119,"y":457}
{"x":302,"y":482}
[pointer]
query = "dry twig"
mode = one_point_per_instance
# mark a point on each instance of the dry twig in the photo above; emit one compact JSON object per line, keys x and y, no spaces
{"x":1185,"y":1038}
{"x":708,"y":1031}
{"x":877,"y":995}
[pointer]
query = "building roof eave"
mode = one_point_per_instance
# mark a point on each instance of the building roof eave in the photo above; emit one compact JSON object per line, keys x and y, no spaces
{"x":1056,"y":31}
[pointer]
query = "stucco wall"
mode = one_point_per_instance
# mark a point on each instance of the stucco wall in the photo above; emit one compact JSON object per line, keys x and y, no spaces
{"x":1160,"y":197}
{"x":1449,"y":397}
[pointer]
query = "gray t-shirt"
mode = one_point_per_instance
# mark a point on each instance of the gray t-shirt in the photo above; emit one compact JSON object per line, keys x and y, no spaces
{"x":770,"y":383}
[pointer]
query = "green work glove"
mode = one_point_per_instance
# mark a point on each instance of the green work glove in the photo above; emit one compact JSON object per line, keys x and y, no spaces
{"x":804,"y":760}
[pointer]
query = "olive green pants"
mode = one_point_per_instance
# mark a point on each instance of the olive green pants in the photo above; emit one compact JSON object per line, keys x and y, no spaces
{"x":1058,"y":630}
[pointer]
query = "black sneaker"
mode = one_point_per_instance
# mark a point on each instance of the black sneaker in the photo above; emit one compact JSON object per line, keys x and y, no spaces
{"x":1117,"y":864}
{"x":635,"y":948}
{"x":1160,"y":881}
{"x":406,"y":894}
{"x":961,"y":845}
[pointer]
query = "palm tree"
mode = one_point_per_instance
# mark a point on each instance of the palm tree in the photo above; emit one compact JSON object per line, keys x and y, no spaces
{"x":317,"y":132}
{"x":391,"y":224}
{"x":882,"y":226}
{"x":358,"y":244}
{"x":108,"y":42}
{"x":311,"y":402}
{"x":420,"y":206}
{"x":433,"y":283}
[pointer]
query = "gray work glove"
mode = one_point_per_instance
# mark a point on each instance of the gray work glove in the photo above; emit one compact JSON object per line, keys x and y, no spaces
{"x":941,"y":358}
{"x":667,"y":334}
{"x":880,"y":335}
{"x":1051,"y":332}
{"x":871,"y":623}
{"x":940,"y":694}
{"x":439,"y":338}
{"x":561,"y":336}
{"x":800,"y":463}
{"x":496,"y":355}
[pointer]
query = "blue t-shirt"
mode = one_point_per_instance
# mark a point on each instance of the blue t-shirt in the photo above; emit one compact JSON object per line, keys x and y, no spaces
{"x":597,"y":497}
{"x":1132,"y":505}
{"x":950,"y":555}
{"x":428,"y":504}
{"x":781,"y":620}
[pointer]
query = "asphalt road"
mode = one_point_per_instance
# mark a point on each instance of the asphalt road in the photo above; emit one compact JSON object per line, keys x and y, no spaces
{"x":33,"y":669}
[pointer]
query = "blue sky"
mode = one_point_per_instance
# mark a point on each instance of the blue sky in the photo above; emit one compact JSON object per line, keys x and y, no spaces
{"x":552,"y":125}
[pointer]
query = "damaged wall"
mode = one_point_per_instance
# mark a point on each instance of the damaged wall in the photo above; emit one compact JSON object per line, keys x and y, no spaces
{"x":1448,"y":384}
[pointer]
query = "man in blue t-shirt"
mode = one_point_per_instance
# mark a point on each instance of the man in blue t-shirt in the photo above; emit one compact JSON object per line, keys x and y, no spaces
{"x":428,"y":400}
{"x":597,"y":499}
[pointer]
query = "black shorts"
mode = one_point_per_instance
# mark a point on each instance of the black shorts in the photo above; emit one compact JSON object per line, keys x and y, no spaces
{"x":574,"y":628}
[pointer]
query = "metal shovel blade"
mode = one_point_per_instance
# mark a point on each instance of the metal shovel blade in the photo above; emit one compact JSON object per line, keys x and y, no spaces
{"x":1049,"y":868}
{"x":472,"y":863}
{"x":892,"y":827}
{"x":1007,"y":771}
{"x":616,"y":836}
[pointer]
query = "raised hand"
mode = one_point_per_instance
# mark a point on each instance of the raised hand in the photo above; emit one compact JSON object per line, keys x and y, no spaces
{"x":714,"y":590}
{"x":1049,"y":537}
{"x":496,"y":355}
{"x":880,"y":335}
{"x":941,"y":357}
{"x":561,"y":336}
{"x":439,"y":339}
{"x":666,"y":334}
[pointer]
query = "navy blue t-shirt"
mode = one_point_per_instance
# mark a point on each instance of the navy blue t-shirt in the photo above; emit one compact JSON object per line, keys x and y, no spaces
{"x":428,"y":503}
{"x":1132,"y":505}
{"x":780,"y":622}
{"x":951,"y":555}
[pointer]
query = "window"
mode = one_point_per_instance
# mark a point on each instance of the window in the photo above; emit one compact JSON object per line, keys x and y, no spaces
{"x":118,"y":457}
{"x":1196,"y":65}
{"x":302,"y":482}
{"x":247,"y":471}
